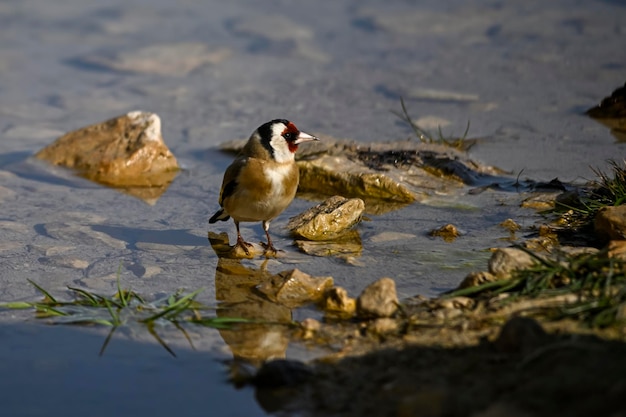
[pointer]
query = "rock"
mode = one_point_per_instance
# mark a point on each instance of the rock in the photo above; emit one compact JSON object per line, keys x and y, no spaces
{"x":519,"y":334}
{"x":327,"y":220}
{"x":294,"y":288}
{"x":610,"y":222}
{"x":386,"y":176}
{"x":126,"y":151}
{"x":309,"y":328}
{"x":474,"y":279}
{"x":540,"y":201}
{"x":448,"y":233}
{"x":165,"y":59}
{"x":506,"y":260}
{"x":383,"y":326}
{"x":612,"y":107}
{"x":611,"y":112}
{"x":510,"y":225}
{"x":617,"y":249}
{"x":379,"y":299}
{"x":337,"y":303}
{"x":345,"y":247}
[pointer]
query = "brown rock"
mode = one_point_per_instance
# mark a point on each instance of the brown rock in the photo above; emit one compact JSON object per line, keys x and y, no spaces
{"x":474,"y":279}
{"x":347,"y":247}
{"x":610,"y":222}
{"x":327,"y":220}
{"x":506,"y":260}
{"x":127,"y":151}
{"x":379,"y":299}
{"x":617,"y":249}
{"x":383,"y":326}
{"x":337,"y":303}
{"x":448,"y":233}
{"x":294,"y":288}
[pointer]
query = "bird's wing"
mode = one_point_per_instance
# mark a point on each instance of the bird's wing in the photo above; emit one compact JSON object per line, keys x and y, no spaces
{"x":230,"y":179}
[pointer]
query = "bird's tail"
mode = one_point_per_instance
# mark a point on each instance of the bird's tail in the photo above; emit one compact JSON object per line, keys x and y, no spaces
{"x":220,"y":215}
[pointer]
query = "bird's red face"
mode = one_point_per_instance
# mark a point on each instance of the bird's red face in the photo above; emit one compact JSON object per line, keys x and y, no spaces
{"x":291,"y":134}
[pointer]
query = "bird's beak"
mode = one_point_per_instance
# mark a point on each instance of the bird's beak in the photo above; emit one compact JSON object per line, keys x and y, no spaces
{"x":305,"y":137}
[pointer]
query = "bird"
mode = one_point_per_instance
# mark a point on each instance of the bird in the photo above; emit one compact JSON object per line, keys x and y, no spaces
{"x":262,"y":180}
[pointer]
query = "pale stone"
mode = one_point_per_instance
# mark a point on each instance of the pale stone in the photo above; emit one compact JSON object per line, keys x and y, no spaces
{"x":293,"y":288}
{"x":328,"y":219}
{"x":506,"y":260}
{"x":126,"y":151}
{"x":379,"y":299}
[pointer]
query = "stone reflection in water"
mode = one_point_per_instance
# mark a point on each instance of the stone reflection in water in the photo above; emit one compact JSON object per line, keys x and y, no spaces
{"x":235,"y":291}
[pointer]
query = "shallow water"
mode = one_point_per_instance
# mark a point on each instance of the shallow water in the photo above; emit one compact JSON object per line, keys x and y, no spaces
{"x":521,"y":73}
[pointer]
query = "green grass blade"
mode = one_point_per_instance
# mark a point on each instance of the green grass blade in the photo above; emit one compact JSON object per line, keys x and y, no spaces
{"x":44,"y":292}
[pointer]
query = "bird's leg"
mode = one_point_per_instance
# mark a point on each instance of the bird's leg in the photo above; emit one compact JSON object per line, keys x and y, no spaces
{"x":270,"y":250}
{"x":240,"y":242}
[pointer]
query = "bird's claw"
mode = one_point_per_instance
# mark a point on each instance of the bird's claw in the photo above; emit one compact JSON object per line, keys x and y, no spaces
{"x":270,"y":250}
{"x":243,"y":245}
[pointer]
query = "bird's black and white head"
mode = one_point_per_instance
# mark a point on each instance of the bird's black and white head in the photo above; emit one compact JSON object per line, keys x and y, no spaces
{"x":281,"y":138}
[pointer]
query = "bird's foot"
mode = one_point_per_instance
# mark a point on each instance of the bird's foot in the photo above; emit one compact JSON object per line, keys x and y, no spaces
{"x":243,"y":245}
{"x":270,"y":250}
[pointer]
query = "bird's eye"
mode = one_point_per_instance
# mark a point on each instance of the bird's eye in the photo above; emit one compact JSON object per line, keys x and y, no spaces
{"x":289,"y":136}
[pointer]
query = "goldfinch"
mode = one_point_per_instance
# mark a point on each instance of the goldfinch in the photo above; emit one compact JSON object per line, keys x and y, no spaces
{"x":263,"y":179}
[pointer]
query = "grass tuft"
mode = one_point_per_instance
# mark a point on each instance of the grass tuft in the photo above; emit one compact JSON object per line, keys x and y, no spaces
{"x":599,"y":283}
{"x":125,"y":305}
{"x":426,"y":137}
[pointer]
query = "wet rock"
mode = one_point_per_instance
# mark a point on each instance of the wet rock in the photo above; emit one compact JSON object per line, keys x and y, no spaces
{"x":448,"y":233}
{"x":379,"y":299}
{"x":454,"y":302}
{"x":165,"y":59}
{"x":391,"y":236}
{"x":294,"y":288}
{"x":519,"y":334}
{"x":309,"y":328}
{"x":337,"y":303}
{"x":510,"y":225}
{"x":610,"y":222}
{"x":540,"y":201}
{"x":611,"y":112}
{"x":281,"y":34}
{"x":506,"y":260}
{"x":386,"y":176}
{"x":81,"y":235}
{"x":383,"y":326}
{"x":327,"y":220}
{"x":126,"y":151}
{"x":347,"y":247}
{"x":474,"y":279}
{"x":64,"y":262}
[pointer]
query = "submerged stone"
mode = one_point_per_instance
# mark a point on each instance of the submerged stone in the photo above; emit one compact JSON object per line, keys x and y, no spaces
{"x":126,"y":151}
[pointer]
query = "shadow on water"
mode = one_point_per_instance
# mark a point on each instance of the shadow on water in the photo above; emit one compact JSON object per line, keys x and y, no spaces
{"x":180,"y":237}
{"x":57,"y":370}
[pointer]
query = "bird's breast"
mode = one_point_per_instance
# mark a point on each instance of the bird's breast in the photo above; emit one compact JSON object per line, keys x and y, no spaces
{"x":264,"y":190}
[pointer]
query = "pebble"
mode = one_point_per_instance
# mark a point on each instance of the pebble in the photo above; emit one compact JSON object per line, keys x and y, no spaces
{"x":379,"y":299}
